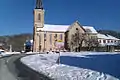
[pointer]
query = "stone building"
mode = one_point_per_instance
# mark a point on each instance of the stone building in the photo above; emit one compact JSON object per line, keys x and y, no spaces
{"x":45,"y":36}
{"x":85,"y":32}
{"x":53,"y":37}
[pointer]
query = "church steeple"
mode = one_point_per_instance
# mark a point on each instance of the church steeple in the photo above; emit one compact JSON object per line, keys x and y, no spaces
{"x":38,"y":27}
{"x":39,"y":4}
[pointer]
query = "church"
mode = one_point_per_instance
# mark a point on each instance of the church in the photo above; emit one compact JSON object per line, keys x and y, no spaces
{"x":52,"y":37}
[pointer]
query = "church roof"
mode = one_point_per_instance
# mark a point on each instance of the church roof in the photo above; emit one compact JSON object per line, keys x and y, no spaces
{"x":64,"y":28}
{"x":58,"y":28}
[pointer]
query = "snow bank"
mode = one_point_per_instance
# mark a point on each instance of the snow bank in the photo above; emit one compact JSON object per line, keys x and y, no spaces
{"x":3,"y":54}
{"x":77,"y":66}
{"x":12,"y":53}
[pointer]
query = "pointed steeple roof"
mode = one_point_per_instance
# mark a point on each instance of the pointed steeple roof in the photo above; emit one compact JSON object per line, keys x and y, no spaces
{"x":39,"y":4}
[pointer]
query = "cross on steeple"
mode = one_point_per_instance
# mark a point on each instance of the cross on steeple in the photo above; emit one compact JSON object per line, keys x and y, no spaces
{"x":39,"y":4}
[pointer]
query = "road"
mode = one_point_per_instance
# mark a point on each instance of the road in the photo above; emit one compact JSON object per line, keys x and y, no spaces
{"x":12,"y":69}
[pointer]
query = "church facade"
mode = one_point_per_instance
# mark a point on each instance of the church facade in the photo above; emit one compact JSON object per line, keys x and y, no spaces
{"x":48,"y":37}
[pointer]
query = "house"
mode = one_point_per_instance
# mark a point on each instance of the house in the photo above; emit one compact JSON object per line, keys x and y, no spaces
{"x":107,"y":41}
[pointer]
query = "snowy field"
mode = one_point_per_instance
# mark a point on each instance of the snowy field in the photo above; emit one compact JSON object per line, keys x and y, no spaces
{"x":76,"y":66}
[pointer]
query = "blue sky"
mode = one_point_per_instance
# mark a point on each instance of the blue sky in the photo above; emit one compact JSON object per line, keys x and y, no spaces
{"x":16,"y":16}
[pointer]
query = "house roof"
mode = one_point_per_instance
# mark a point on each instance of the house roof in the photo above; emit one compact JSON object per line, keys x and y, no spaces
{"x":112,"y":37}
{"x":64,"y":28}
{"x":90,"y":29}
{"x":103,"y":36}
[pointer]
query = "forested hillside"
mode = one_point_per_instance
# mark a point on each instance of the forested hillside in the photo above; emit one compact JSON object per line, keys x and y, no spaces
{"x":17,"y":41}
{"x":110,"y":32}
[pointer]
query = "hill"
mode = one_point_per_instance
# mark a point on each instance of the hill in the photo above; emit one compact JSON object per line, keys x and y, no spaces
{"x":110,"y":32}
{"x":17,"y":41}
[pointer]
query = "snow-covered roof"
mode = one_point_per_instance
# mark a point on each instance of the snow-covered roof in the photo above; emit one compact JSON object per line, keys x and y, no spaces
{"x":102,"y":36}
{"x":64,"y":28}
{"x":90,"y":29}
{"x":112,"y":37}
{"x":58,"y":28}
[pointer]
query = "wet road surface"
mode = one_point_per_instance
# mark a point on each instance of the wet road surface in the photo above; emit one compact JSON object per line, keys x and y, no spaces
{"x":12,"y":69}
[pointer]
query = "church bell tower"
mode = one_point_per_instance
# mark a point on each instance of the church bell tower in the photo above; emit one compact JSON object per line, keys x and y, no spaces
{"x":38,"y":26}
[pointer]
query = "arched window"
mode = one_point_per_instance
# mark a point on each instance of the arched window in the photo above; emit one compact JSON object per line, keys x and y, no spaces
{"x":55,"y":36}
{"x":99,"y":41}
{"x":45,"y":36}
{"x":104,"y":41}
{"x":61,"y":37}
{"x":39,"y":17}
{"x":50,"y":39}
{"x":111,"y":41}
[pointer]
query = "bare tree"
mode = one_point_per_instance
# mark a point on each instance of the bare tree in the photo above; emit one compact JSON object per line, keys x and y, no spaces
{"x":77,"y":40}
{"x":92,"y":42}
{"x":72,"y":43}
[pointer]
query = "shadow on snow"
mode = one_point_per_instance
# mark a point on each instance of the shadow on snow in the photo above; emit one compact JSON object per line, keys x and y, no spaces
{"x":107,"y":63}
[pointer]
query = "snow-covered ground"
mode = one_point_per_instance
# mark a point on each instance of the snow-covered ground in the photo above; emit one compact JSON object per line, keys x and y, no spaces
{"x":76,"y":66}
{"x":8,"y":53}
